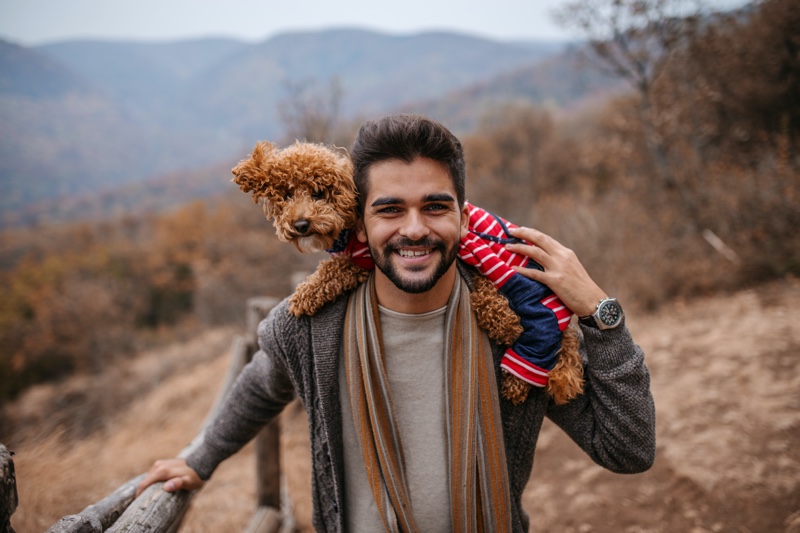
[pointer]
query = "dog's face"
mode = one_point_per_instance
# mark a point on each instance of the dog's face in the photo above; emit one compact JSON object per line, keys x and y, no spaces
{"x":306,"y":189}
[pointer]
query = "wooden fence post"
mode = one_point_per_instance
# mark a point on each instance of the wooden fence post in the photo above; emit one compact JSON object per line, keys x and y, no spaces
{"x":267,"y":445}
{"x":8,"y":490}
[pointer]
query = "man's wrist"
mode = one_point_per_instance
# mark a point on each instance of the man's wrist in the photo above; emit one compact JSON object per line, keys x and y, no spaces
{"x":589,"y":305}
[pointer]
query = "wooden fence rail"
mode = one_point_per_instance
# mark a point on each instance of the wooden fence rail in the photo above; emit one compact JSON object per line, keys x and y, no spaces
{"x":157,"y":511}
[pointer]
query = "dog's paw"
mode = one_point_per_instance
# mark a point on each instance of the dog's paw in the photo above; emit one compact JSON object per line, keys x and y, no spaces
{"x":305,"y":300}
{"x":514,"y":389}
{"x":566,"y":379}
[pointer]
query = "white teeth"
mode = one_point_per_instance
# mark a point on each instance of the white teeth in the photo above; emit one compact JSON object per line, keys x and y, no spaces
{"x":413,"y":253}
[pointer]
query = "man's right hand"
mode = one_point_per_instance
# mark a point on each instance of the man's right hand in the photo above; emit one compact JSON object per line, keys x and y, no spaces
{"x":563,"y":272}
{"x":175,"y":473}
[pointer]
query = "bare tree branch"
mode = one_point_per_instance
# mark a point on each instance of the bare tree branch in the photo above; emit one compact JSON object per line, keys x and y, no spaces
{"x":311,"y":112}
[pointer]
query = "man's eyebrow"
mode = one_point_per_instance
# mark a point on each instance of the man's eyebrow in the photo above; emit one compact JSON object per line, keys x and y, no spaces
{"x":439,"y":197}
{"x":386,"y":200}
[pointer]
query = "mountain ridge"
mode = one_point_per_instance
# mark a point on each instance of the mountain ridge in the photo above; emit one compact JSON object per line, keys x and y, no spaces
{"x":135,"y":110}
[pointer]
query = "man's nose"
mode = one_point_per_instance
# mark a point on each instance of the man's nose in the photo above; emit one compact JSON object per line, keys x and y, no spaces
{"x":414,"y":226}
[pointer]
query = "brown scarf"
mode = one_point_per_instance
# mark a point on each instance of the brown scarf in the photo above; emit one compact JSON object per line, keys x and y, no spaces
{"x":480,"y":498}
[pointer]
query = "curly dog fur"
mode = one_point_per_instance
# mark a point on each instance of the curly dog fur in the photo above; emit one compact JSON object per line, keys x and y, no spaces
{"x":333,"y":277}
{"x":502,"y":325}
{"x":493,"y":313}
{"x":308,"y":191}
{"x":566,"y":378}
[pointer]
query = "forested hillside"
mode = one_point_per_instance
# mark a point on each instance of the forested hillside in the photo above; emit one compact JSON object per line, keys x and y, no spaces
{"x":87,"y":116}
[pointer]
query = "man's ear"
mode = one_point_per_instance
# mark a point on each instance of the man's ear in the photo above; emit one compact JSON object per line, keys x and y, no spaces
{"x":361,"y":232}
{"x":464,"y":220}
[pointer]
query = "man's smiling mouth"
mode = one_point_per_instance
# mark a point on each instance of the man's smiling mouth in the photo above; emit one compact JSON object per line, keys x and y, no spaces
{"x":414,"y":253}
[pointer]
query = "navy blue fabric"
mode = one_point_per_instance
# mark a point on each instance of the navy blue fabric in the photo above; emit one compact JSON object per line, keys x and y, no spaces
{"x":340,"y":244}
{"x":541,"y":336}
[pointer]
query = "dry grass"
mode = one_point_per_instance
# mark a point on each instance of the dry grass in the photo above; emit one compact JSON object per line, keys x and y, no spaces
{"x":59,"y":476}
{"x":725,"y":379}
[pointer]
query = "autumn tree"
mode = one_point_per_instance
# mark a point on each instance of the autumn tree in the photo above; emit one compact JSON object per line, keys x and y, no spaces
{"x":635,"y":40}
{"x":504,"y":160}
{"x":734,"y":100}
{"x":718,"y":104}
{"x":744,"y":67}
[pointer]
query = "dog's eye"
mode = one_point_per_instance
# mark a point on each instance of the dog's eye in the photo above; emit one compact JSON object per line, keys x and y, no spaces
{"x":287,"y":195}
{"x":318,"y":195}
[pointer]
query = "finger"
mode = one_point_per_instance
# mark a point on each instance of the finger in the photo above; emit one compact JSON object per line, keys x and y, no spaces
{"x":533,"y":236}
{"x":532,"y":251}
{"x":176,"y":483}
{"x":531,"y":273}
{"x":146,"y":482}
{"x":529,"y":234}
{"x":170,"y":485}
{"x":160,"y":471}
{"x":188,"y":481}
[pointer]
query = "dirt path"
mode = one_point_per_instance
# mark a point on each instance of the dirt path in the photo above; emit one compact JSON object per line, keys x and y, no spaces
{"x":726,"y":380}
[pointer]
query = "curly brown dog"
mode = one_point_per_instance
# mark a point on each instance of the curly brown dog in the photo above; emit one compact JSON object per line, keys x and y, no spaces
{"x":308,"y":191}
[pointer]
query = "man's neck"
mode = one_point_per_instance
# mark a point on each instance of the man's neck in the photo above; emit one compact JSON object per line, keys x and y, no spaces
{"x":395,"y":299}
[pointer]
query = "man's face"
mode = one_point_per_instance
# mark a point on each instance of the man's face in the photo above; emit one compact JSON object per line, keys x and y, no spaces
{"x":412,"y":223}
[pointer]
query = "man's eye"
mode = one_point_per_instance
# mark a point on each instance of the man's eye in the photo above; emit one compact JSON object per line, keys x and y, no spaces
{"x":437,"y":207}
{"x":388,"y":210}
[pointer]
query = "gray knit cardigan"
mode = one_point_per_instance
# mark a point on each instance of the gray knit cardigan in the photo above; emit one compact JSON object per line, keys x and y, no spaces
{"x":613,"y":421}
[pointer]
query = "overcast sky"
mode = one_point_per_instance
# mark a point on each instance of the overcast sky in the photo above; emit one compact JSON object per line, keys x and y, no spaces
{"x":30,"y":22}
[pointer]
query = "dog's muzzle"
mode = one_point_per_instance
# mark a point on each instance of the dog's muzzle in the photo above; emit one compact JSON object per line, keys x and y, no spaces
{"x":302,"y":226}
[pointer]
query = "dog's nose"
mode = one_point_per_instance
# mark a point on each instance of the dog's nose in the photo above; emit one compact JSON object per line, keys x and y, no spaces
{"x":301,"y":226}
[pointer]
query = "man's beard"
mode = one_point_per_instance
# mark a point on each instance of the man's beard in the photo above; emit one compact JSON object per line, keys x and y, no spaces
{"x":416,"y":286}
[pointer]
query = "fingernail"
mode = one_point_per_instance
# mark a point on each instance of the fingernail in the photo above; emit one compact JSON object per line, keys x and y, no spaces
{"x":168,"y":486}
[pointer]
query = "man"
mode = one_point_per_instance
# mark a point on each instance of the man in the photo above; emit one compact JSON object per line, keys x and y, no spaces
{"x":408,"y":432}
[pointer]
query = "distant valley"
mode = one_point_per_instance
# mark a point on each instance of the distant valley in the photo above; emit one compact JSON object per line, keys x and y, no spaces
{"x":80,"y":117}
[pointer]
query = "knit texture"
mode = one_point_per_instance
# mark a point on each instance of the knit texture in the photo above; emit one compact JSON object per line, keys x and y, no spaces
{"x":613,"y":421}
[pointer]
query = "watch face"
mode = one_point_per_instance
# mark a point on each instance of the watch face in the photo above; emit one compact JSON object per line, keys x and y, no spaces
{"x":610,"y":313}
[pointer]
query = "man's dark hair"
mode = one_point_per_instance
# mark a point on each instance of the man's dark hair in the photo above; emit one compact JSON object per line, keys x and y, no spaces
{"x":405,"y":138}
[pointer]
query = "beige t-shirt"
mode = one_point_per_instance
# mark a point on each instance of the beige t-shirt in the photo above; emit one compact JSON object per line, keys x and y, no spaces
{"x":414,"y":358}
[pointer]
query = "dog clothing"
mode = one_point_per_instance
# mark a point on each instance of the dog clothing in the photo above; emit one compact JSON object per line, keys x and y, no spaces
{"x":542,"y":314}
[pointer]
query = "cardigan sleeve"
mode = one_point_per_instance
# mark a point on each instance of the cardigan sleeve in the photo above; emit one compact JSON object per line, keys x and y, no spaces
{"x":614,"y":420}
{"x":259,"y":394}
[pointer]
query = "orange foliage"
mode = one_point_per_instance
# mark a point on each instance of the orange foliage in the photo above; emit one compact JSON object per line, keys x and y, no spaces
{"x":75,"y":299}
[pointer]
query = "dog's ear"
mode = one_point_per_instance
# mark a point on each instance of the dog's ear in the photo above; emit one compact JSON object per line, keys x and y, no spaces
{"x":269,"y":208}
{"x":249,"y":174}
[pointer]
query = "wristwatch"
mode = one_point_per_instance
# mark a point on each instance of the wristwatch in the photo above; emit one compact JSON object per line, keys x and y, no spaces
{"x":607,"y":315}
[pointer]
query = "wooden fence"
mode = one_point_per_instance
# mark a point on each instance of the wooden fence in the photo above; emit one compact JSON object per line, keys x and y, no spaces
{"x":157,"y":511}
